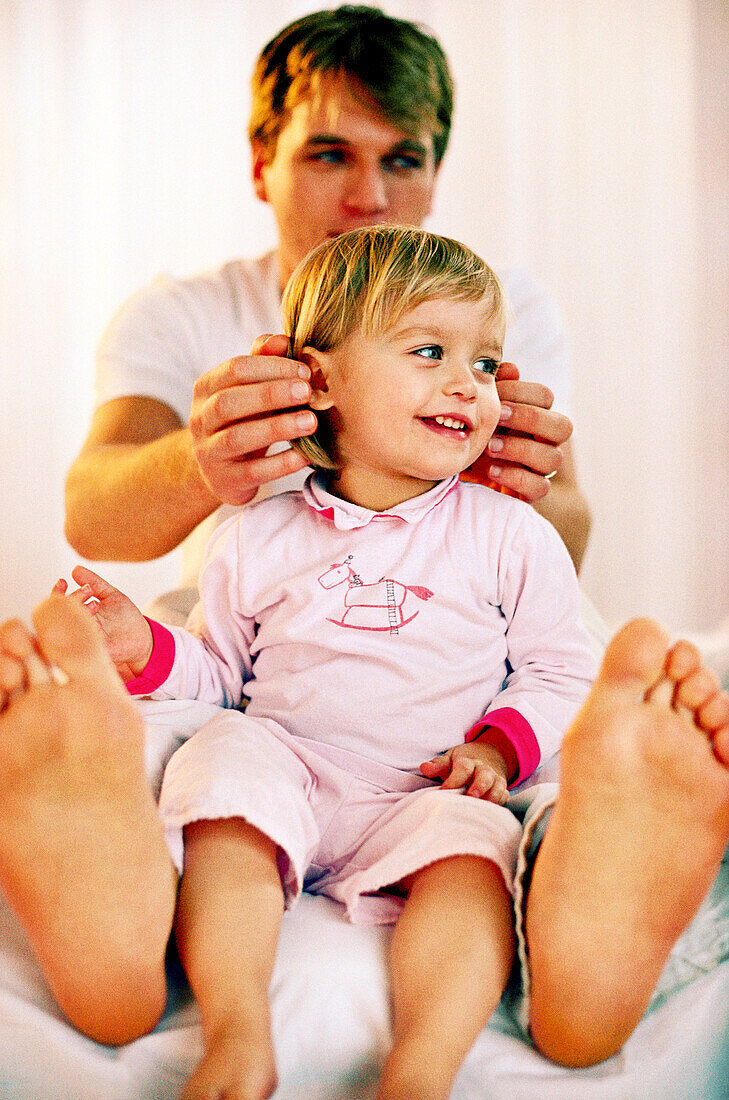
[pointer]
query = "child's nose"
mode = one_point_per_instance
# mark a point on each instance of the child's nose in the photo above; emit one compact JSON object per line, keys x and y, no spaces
{"x":461,"y":383}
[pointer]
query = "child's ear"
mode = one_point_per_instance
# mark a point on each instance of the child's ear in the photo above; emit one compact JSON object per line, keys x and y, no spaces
{"x":319,"y":365}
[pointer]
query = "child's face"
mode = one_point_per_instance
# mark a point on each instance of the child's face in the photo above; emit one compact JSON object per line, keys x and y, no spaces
{"x":414,"y":404}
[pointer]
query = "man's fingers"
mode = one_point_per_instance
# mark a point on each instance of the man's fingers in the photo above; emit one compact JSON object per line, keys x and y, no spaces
{"x":523,"y":393}
{"x":271,"y":344}
{"x":246,"y":369}
{"x":543,"y":423}
{"x":508,"y":371}
{"x":520,"y":450}
{"x":238,"y":480}
{"x":530,"y":487}
{"x":249,"y":437}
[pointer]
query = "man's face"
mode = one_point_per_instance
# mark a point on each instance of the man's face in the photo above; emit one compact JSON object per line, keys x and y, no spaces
{"x":339,"y":165}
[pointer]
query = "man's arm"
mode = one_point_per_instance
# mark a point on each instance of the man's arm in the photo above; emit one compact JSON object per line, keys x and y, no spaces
{"x":143,"y":481}
{"x":566,"y":508}
{"x":135,"y":491}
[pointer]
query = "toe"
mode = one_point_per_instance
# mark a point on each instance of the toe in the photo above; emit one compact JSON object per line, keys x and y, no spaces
{"x":635,"y":658}
{"x":683,"y":659}
{"x":721,"y":745}
{"x":714,"y":714}
{"x":696,"y":689}
{"x":19,"y":647}
{"x":69,"y":638}
{"x":12,"y":679}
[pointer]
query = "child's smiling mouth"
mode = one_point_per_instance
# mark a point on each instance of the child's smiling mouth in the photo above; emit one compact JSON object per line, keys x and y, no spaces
{"x":454,"y":427}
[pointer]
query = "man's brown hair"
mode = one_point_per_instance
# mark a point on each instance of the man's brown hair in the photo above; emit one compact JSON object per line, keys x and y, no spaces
{"x":398,"y":65}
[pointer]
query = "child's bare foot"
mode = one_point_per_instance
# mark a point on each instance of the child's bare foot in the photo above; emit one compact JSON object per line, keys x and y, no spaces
{"x":633,"y":846}
{"x":238,"y":1063}
{"x":82,"y":856}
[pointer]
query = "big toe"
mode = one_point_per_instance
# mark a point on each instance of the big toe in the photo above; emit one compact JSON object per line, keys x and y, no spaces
{"x":635,"y":658}
{"x":69,"y":638}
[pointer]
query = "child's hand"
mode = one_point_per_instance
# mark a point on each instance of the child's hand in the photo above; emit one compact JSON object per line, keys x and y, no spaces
{"x":127,"y":633}
{"x":478,"y":766}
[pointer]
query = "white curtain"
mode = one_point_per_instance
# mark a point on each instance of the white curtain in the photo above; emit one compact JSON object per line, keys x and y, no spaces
{"x":590,"y":145}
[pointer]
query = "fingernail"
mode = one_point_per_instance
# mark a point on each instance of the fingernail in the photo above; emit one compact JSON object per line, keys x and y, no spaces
{"x":494,"y":471}
{"x":299,"y":390}
{"x":496,"y":445}
{"x":306,"y":421}
{"x":506,"y":411}
{"x":304,"y":372}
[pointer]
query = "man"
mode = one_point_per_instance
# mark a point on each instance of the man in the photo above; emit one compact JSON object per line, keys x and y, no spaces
{"x":350,"y":120}
{"x":354,"y":137}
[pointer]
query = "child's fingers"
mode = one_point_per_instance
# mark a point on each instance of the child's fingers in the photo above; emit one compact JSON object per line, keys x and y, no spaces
{"x":97,"y":586}
{"x":461,"y":773}
{"x":438,"y":767}
{"x":60,"y":587}
{"x":82,"y":595}
{"x":488,"y":784}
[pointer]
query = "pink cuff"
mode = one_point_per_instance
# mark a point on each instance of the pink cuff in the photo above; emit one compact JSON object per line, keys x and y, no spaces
{"x":518,"y":736}
{"x":159,"y":665}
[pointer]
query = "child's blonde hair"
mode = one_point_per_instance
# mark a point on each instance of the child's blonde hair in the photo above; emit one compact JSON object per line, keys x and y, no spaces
{"x":367,"y":279}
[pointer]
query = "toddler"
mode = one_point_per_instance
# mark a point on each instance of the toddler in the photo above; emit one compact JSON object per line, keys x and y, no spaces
{"x":410,"y":649}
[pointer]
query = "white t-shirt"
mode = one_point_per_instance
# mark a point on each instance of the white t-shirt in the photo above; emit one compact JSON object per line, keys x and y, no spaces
{"x":169,"y":333}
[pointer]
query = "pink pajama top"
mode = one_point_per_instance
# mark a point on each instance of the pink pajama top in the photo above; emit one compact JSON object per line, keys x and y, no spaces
{"x":393,"y":635}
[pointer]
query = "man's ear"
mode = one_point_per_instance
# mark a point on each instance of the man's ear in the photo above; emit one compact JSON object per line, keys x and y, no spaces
{"x":319,"y":364}
{"x":259,"y":161}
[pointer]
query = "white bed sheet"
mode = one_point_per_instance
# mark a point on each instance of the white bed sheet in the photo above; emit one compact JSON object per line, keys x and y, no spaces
{"x":331,"y":1027}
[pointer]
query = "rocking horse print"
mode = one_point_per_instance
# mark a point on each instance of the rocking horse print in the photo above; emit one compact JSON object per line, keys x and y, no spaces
{"x":379,"y":606}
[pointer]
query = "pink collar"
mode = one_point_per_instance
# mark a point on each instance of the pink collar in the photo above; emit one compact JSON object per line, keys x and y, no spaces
{"x":346,"y":516}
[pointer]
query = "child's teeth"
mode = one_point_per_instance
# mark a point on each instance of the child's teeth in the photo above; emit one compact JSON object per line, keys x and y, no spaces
{"x":447,"y":422}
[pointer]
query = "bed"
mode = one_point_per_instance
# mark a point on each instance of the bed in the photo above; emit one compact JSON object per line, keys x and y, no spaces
{"x":331,"y":1017}
{"x":330,"y":1013}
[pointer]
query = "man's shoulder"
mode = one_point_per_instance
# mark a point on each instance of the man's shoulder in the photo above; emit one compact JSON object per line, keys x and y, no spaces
{"x":254,"y":278}
{"x":525,"y":291}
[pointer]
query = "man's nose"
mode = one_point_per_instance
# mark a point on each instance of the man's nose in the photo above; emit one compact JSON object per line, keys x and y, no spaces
{"x":366,"y":192}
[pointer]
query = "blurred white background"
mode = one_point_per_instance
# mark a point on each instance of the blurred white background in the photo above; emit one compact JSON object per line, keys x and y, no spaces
{"x":591,"y":145}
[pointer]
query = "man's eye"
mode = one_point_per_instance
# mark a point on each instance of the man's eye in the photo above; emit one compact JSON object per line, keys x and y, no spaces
{"x":486,"y":366}
{"x":402,"y":162}
{"x":328,"y":156}
{"x":430,"y":351}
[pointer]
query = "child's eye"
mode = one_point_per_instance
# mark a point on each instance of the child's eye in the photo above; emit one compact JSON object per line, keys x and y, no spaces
{"x":486,"y":366}
{"x":430,"y":351}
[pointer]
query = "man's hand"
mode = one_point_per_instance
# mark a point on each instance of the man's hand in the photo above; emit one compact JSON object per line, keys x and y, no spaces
{"x":478,"y":766}
{"x":524,"y":452}
{"x":239,"y":409}
{"x":127,"y":633}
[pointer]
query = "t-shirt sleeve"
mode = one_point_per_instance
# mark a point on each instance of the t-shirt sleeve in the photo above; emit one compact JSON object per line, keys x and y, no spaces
{"x":536,"y":339}
{"x":151,"y":348}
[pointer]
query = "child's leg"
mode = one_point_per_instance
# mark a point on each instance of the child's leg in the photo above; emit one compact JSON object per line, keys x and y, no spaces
{"x":452,"y":951}
{"x":634,"y":843}
{"x":83,"y":861}
{"x":228,"y":919}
